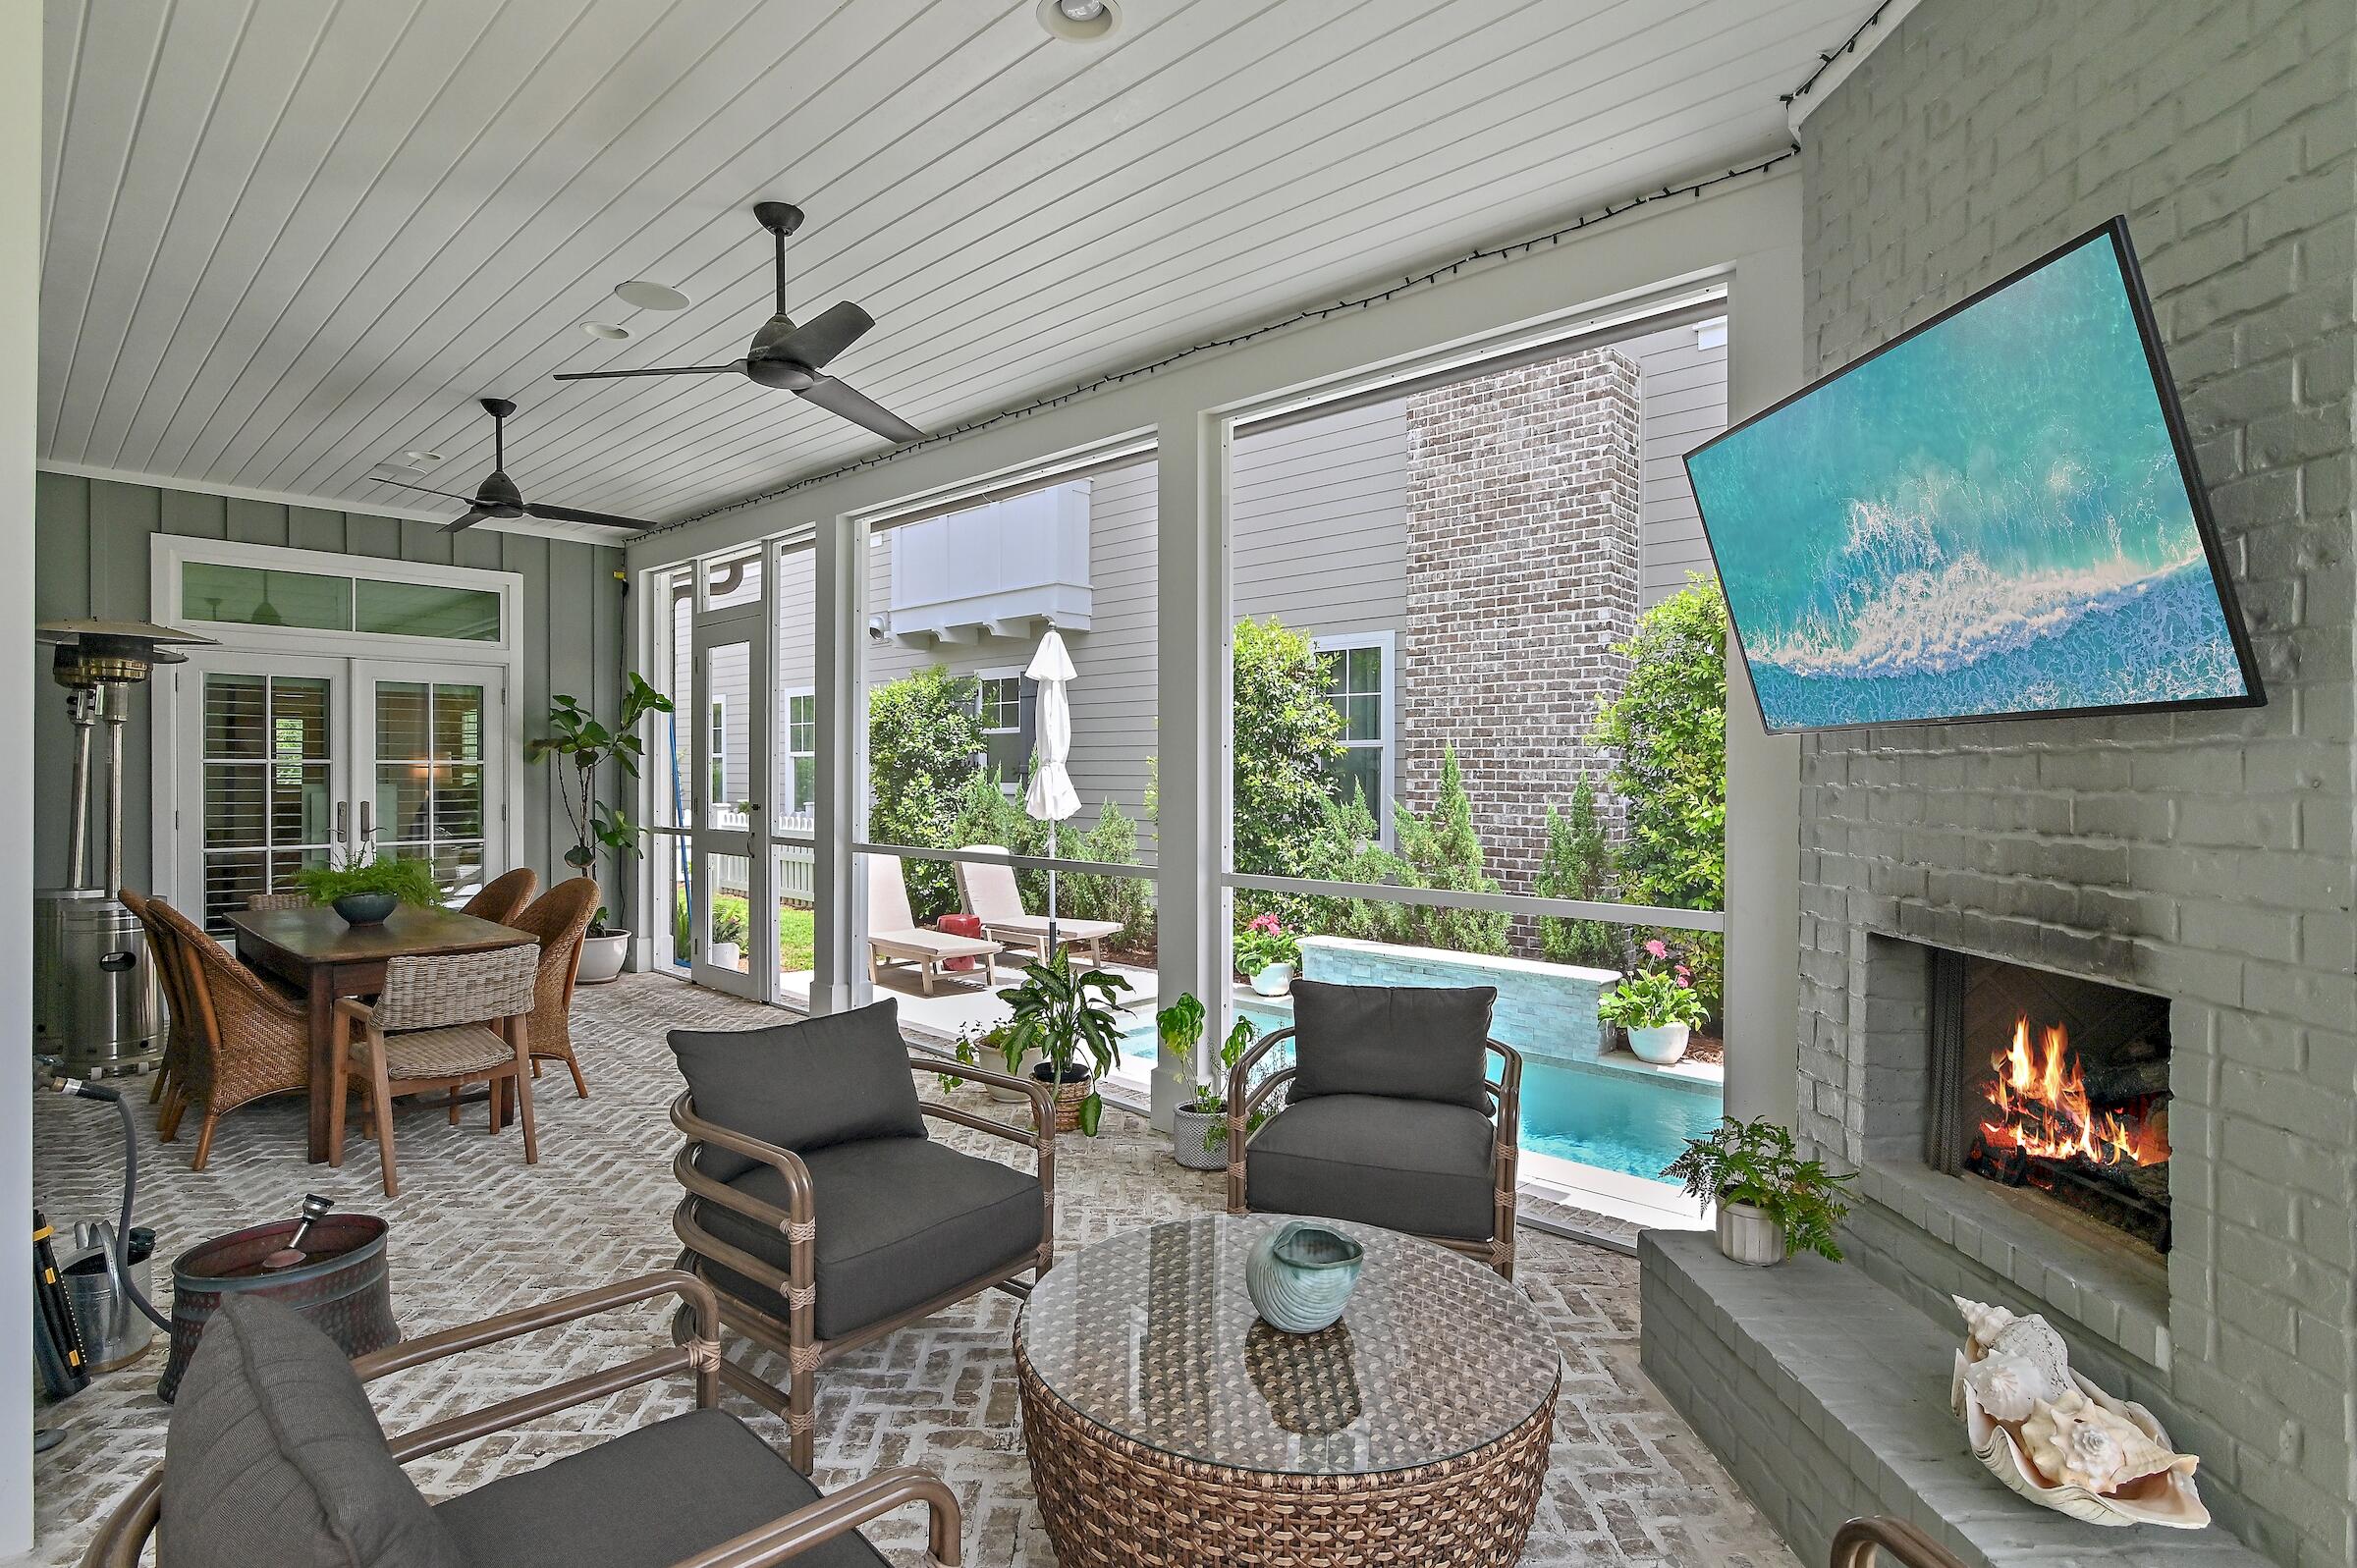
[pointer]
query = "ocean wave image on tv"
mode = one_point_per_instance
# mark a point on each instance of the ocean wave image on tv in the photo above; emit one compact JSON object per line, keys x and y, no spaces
{"x":1985,"y":518}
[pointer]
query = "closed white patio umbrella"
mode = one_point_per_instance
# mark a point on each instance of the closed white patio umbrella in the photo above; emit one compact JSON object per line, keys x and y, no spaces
{"x":1049,"y":797}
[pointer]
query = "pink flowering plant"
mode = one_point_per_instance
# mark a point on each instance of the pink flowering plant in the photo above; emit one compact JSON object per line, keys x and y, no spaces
{"x":1661,"y":992}
{"x":1264,"y":940}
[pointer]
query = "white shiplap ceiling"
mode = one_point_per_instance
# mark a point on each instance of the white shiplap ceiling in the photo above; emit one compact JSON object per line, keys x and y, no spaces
{"x":285,"y":241}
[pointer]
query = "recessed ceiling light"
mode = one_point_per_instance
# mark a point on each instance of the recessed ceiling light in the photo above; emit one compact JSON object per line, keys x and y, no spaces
{"x":606,"y":330}
{"x":421,"y":457}
{"x":641,"y":295}
{"x":1083,"y":20}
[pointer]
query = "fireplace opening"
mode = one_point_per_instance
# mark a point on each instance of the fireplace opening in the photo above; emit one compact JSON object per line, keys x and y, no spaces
{"x":2052,"y":1086}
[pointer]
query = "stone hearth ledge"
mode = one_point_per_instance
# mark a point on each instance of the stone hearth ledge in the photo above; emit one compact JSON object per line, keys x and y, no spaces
{"x":1826,"y":1396}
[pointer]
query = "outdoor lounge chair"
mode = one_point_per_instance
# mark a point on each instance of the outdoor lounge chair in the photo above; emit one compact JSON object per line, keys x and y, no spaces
{"x":992,"y":896}
{"x":821,"y":1212}
{"x":1391,"y":1121}
{"x":894,"y":937}
{"x":275,"y":1455}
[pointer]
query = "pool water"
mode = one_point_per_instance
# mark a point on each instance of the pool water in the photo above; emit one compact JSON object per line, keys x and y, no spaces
{"x":1615,"y":1120}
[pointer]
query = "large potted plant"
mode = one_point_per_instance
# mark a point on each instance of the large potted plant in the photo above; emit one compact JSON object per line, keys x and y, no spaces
{"x":1068,"y":1019}
{"x":1658,"y":1006}
{"x":1268,"y":955}
{"x":1199,"y":1131}
{"x":583,"y":744}
{"x":1178,"y":1033}
{"x":367,"y":892}
{"x":1772,"y":1202}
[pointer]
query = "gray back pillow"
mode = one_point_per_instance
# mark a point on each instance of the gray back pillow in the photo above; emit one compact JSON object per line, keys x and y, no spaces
{"x":274,"y":1455}
{"x":1401,"y":1042}
{"x":840,"y":1077}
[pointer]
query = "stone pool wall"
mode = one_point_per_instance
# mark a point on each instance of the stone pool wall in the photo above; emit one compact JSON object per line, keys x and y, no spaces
{"x":1544,"y":1009}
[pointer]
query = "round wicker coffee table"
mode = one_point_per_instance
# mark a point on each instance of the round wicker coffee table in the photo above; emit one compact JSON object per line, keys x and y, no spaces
{"x":1167,"y":1424}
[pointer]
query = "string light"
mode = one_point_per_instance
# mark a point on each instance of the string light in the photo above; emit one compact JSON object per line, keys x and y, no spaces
{"x":1553,"y":237}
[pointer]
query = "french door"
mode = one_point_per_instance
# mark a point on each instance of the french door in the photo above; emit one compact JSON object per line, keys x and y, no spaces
{"x":283,"y":760}
{"x":734,"y":912}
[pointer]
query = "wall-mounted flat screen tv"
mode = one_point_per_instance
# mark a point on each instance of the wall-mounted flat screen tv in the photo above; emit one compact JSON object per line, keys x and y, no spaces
{"x":1995,"y":515}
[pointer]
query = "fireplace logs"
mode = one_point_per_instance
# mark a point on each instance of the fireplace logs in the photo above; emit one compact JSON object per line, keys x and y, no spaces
{"x":2093,"y":1136}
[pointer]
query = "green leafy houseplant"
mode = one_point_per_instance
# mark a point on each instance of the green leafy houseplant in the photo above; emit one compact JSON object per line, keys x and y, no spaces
{"x":1066,"y":1017}
{"x":584,"y":743}
{"x":1211,"y":1099}
{"x":1757,"y":1164}
{"x":1654,"y":997}
{"x":1263,"y":942}
{"x":409,"y":881}
{"x":1178,"y":1026}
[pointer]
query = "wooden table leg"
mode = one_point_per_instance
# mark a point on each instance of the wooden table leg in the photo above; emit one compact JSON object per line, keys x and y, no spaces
{"x":324,"y":1091}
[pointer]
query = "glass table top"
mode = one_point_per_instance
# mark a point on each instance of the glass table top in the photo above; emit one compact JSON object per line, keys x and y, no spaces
{"x":1152,"y":1335}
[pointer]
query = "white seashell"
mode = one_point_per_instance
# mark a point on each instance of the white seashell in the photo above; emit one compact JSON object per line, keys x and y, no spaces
{"x":2075,"y":1442}
{"x":2033,"y":1343}
{"x":2169,"y":1501}
{"x":2008,"y":1386}
{"x":1983,"y":1322}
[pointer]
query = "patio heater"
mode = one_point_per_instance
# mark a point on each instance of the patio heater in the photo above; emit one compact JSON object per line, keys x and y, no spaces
{"x":96,"y":1007}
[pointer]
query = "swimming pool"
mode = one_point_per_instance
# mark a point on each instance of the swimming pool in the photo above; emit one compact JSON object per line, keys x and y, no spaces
{"x":1623,"y":1122}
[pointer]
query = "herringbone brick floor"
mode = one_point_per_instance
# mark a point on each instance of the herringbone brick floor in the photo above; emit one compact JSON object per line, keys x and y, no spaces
{"x":476,"y":1231}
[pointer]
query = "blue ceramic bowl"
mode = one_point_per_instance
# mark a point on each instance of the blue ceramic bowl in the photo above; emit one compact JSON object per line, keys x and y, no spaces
{"x":1301,"y":1276}
{"x":366,"y":908}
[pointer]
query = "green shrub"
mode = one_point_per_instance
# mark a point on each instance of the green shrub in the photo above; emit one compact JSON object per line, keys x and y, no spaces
{"x":1577,"y":864}
{"x":922,"y":743}
{"x":1438,"y":852}
{"x":1667,"y":733}
{"x":1286,"y":732}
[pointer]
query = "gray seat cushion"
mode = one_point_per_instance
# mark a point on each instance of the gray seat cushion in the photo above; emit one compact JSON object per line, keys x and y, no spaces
{"x":1401,"y":1042}
{"x":836,"y":1078}
{"x":901,"y":1220}
{"x":645,"y":1499}
{"x":274,"y":1455}
{"x":1406,"y":1164}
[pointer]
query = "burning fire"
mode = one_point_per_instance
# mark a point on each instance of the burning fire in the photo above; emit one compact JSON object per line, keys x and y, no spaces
{"x":2041,"y":1101}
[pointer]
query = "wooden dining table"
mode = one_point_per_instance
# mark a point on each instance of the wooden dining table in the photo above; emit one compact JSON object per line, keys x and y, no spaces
{"x":317,"y":953}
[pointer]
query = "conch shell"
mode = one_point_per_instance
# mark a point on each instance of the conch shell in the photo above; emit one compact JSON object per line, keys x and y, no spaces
{"x":2075,"y":1442}
{"x":1983,"y":1322}
{"x":2032,"y":1346}
{"x":2008,"y":1386}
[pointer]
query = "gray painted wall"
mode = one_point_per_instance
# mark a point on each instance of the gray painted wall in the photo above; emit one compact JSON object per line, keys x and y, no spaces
{"x":92,"y":537}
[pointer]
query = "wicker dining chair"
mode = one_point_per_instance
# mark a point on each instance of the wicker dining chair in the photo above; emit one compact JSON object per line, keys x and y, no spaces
{"x":439,"y":1023}
{"x":279,"y":900}
{"x":180,"y":1016}
{"x":558,"y":918}
{"x":503,"y":897}
{"x":246,"y":1039}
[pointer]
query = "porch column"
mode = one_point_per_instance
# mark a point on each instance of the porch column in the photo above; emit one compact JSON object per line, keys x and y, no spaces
{"x":1191,"y":830}
{"x":838,"y":588}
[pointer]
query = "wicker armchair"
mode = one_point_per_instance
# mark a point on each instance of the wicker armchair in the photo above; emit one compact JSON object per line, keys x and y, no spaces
{"x":1436,"y":1169}
{"x":503,"y":897}
{"x":697,"y":1489}
{"x":279,"y":900}
{"x":162,"y":951}
{"x":439,"y":1023}
{"x":558,"y":918}
{"x":818,"y":1251}
{"x":246,"y":1039}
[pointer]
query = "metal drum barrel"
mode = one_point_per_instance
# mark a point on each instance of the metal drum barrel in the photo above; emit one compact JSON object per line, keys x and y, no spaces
{"x":342,"y":1286}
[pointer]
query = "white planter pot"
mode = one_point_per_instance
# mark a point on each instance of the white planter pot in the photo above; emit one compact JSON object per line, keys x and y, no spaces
{"x":1661,"y":1045}
{"x":724,"y":956}
{"x":602,"y":958}
{"x":1273,"y":981}
{"x":1749,"y":1237}
{"x":1191,"y":1143}
{"x":1007,"y":1097}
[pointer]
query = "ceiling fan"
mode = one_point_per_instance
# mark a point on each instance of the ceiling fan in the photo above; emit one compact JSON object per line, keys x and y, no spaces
{"x":498,"y":497}
{"x":789,"y":358}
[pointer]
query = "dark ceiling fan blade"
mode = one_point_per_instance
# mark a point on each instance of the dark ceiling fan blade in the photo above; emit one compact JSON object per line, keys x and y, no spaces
{"x":824,"y":335}
{"x":424,"y":490}
{"x":650,"y":370}
{"x":839,"y":397}
{"x":597,"y":520}
{"x":474,"y":514}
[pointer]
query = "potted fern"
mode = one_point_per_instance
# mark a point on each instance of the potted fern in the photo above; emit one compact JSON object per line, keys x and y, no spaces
{"x":1066,"y":1017}
{"x":584,"y":743}
{"x":365,"y":892}
{"x":1770,"y":1202}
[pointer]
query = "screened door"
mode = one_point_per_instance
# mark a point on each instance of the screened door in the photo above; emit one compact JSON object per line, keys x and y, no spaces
{"x":434,"y":789}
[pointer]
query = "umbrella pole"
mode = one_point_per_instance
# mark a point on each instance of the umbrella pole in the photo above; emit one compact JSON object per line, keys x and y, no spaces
{"x":1051,"y":892}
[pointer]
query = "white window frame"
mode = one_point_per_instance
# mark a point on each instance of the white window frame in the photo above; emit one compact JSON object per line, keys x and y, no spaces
{"x":1009,"y":788}
{"x":716,"y":785}
{"x":171,"y":552}
{"x":790,"y":805}
{"x":1385,"y":643}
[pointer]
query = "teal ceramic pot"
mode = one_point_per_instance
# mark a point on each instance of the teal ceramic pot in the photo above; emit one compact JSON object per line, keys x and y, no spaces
{"x":366,"y":908}
{"x":1301,"y":1276}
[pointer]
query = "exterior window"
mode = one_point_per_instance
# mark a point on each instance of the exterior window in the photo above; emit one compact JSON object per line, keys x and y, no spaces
{"x":1000,"y":701}
{"x":720,"y":752}
{"x":801,"y":749}
{"x":1357,"y":675}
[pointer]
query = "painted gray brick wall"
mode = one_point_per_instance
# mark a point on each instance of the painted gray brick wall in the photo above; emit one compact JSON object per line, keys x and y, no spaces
{"x":2208,"y":857}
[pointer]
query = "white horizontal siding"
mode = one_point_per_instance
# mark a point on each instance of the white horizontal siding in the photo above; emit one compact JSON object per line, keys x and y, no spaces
{"x":1683,"y":393}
